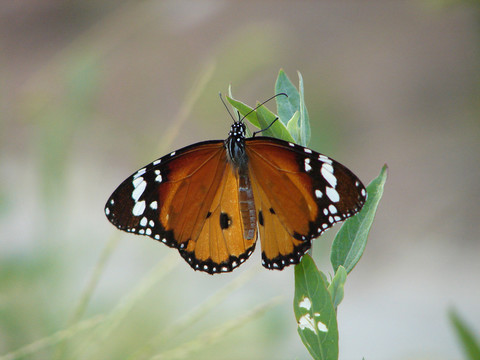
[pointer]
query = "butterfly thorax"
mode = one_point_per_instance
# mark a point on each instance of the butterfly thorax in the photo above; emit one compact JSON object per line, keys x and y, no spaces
{"x":235,"y":145}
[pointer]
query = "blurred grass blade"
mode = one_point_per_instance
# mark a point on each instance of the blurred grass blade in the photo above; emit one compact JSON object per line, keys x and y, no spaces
{"x":53,"y":339}
{"x":351,"y":239}
{"x":336,"y":287}
{"x":198,"y":87}
{"x":180,"y":327}
{"x":120,"y":312}
{"x":470,"y":345}
{"x":314,"y":311}
{"x":90,"y":288}
{"x":207,"y":338}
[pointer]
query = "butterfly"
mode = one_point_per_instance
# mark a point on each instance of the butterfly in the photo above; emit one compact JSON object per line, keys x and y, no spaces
{"x":212,"y":200}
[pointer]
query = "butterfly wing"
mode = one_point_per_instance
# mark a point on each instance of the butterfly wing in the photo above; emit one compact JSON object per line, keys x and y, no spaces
{"x":187,"y":200}
{"x":298,"y":195}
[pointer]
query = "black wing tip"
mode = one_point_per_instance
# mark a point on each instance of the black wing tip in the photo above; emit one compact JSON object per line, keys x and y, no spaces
{"x":282,"y":261}
{"x":212,"y":267}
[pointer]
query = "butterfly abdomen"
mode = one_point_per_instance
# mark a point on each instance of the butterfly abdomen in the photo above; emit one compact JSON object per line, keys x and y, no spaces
{"x":247,"y":205}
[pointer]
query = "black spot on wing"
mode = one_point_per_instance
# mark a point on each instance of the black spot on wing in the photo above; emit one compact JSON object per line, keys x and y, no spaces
{"x":225,"y":221}
{"x":260,"y":217}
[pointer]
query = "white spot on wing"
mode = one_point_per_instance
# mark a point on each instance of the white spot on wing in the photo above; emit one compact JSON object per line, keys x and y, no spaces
{"x":139,"y":173}
{"x":333,"y":194}
{"x":318,"y":194}
{"x":139,"y":208}
{"x":327,"y":173}
{"x":307,"y":165}
{"x":156,"y":162}
{"x":139,"y":189}
{"x":308,"y":151}
{"x":154,"y":205}
{"x":107,"y":211}
{"x":325,"y":159}
{"x":144,"y":221}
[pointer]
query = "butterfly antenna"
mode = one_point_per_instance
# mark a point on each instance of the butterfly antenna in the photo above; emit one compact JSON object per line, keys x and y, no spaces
{"x":268,"y":127}
{"x":261,"y":104}
{"x":226,"y":107}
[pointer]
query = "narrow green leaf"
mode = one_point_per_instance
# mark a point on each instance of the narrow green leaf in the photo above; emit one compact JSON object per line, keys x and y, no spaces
{"x":304,"y":119}
{"x":314,"y":311}
{"x":277,"y":130}
{"x":286,"y":106}
{"x":336,"y":287}
{"x":470,"y":345}
{"x":351,"y":239}
{"x":244,"y":109}
{"x":293,"y":127}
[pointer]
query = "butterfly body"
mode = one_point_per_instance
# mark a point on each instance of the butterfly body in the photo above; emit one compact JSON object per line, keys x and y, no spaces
{"x":213,"y":199}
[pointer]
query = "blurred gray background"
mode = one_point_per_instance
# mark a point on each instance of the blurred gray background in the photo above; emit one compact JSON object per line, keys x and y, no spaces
{"x":92,"y":91}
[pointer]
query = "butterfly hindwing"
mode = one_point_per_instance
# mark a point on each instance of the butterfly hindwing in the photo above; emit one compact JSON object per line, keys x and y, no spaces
{"x":187,"y":200}
{"x":298,"y":194}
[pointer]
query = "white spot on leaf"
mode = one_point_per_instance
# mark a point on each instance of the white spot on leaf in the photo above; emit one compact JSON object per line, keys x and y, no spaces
{"x":305,"y":303}
{"x":306,"y":322}
{"x":322,"y":327}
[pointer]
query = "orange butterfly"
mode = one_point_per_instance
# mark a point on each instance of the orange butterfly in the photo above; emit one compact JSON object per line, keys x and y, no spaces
{"x":211,"y":200}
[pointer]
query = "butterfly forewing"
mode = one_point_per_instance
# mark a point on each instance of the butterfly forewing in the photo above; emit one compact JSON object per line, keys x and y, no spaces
{"x":299,"y":194}
{"x":187,"y":200}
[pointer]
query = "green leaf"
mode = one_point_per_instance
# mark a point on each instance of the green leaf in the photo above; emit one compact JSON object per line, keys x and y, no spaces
{"x":292,"y":125}
{"x":314,"y":311}
{"x":470,"y":345}
{"x":244,"y":110}
{"x":277,"y":130}
{"x":286,"y":106}
{"x":351,"y":239}
{"x":304,"y":119}
{"x":336,"y":287}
